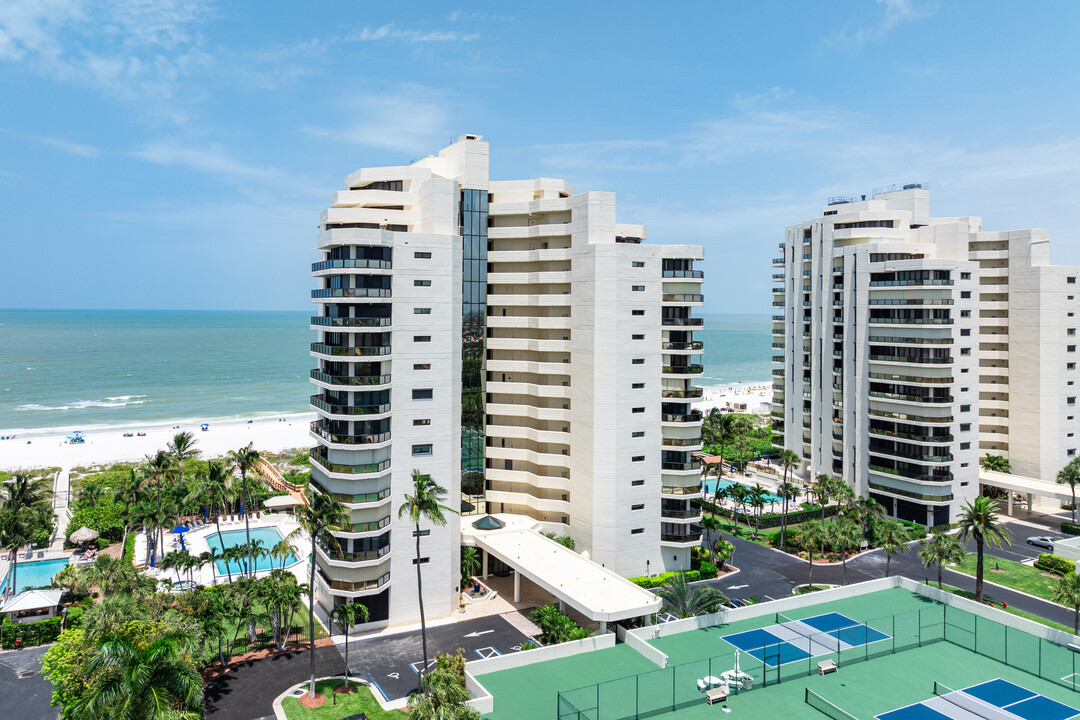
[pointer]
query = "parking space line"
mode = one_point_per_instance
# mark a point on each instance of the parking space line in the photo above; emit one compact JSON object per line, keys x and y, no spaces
{"x":487,"y":652}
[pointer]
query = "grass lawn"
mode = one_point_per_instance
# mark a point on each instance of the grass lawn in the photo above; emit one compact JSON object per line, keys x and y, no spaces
{"x":265,"y":637}
{"x":1011,"y":610}
{"x":1014,"y":575}
{"x":353,"y":703}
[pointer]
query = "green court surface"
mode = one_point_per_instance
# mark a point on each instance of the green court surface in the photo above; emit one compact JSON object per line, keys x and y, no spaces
{"x":927,"y":642}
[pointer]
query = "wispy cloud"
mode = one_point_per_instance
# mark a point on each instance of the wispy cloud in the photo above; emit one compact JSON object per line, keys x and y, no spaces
{"x":411,"y":120}
{"x":390,"y":32}
{"x":72,"y":148}
{"x":214,"y":160}
{"x":896,"y":13}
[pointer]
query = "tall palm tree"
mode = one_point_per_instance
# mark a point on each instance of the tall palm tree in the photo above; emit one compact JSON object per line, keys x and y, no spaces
{"x":1067,"y":593}
{"x":443,"y":698}
{"x":1070,"y":475}
{"x":213,"y":488}
{"x":156,"y":683}
{"x":686,"y":601}
{"x":756,"y":498}
{"x":940,"y":550}
{"x":843,"y":535}
{"x":281,"y":551}
{"x":25,"y":510}
{"x":321,"y":514}
{"x":183,"y":449}
{"x":869,"y":511}
{"x":739,"y":494}
{"x":789,"y":460}
{"x":423,"y":503}
{"x":244,"y":460}
{"x":978,"y":520}
{"x":348,"y":614}
{"x":892,"y":537}
{"x":710,"y":523}
{"x":810,"y":537}
{"x":823,"y":490}
{"x":210,"y":557}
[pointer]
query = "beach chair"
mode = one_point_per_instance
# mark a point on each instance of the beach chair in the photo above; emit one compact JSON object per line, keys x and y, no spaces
{"x":826,"y":666}
{"x":716,"y":694}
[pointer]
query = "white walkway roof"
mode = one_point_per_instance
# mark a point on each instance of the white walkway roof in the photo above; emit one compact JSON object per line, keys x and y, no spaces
{"x":33,"y":600}
{"x":1022,"y":484}
{"x":596,"y":592}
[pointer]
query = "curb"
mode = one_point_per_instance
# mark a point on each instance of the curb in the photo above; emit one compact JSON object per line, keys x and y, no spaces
{"x":279,"y":710}
{"x":1009,"y":589}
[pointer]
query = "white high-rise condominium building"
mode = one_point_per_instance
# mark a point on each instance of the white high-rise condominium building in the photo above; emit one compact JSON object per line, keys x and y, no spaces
{"x":912,"y":346}
{"x":515,"y":343}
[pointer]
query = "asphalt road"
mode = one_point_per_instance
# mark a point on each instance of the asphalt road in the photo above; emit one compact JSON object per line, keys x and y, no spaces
{"x":24,"y":690}
{"x":248,"y":690}
{"x":391,"y":663}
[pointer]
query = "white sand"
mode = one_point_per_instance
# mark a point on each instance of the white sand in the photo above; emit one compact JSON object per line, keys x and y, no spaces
{"x":757,"y":396}
{"x":108,"y":445}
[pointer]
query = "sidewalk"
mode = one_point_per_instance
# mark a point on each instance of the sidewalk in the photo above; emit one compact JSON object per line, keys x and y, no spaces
{"x":61,"y":491}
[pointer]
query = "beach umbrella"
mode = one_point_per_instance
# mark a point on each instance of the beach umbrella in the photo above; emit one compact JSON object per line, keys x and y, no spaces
{"x":180,"y":530}
{"x":83,"y":535}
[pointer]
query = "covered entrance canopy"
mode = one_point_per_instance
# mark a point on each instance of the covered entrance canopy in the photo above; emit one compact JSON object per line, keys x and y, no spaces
{"x":1027,"y":486}
{"x":596,"y":592}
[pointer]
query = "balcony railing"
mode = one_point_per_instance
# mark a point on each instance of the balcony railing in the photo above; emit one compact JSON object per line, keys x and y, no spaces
{"x":692,"y":416}
{"x":681,"y":442}
{"x":358,"y":380}
{"x":694,"y":392}
{"x":910,"y":359}
{"x":683,"y":369}
{"x":348,"y":439}
{"x":684,"y":274}
{"x":679,"y":514}
{"x":911,"y":436}
{"x":683,"y":345}
{"x":366,"y":527}
{"x":351,"y":293}
{"x":372,"y":264}
{"x":909,"y":321}
{"x":942,"y":478}
{"x":338,"y":351}
{"x":680,"y":490}
{"x":908,"y":283}
{"x":911,"y":379}
{"x":682,"y":322}
{"x":911,"y":398}
{"x":692,"y":465}
{"x":318,"y":455}
{"x":349,"y":409}
{"x":356,"y":586}
{"x":351,"y":322}
{"x":683,"y":297}
{"x":904,"y":417}
{"x":910,"y":494}
{"x":680,"y":538}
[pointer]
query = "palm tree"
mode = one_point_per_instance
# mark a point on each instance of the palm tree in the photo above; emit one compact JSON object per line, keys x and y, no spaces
{"x":686,"y":601}
{"x":423,"y":503}
{"x":156,"y":683}
{"x":1070,"y":475}
{"x":757,"y":501}
{"x":710,"y":523}
{"x":869,"y":511}
{"x":183,"y":449}
{"x":443,"y":698}
{"x":843,"y":535}
{"x":321,"y":514}
{"x":823,"y":489}
{"x":245,"y":460}
{"x":789,"y":460}
{"x":281,"y":551}
{"x":810,"y":537}
{"x":470,"y":564}
{"x":939,"y":550}
{"x":211,"y":557}
{"x":1067,"y":593}
{"x":893,"y":540}
{"x":996,"y":463}
{"x":349,"y":614}
{"x":26,"y":509}
{"x":213,"y":488}
{"x":721,"y":551}
{"x":978,"y":520}
{"x":739,"y":494}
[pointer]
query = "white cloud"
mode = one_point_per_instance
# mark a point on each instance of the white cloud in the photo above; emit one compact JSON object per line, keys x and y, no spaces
{"x":72,"y":148}
{"x":897,"y":13}
{"x":389,"y":32}
{"x":215,"y":160}
{"x":409,"y":121}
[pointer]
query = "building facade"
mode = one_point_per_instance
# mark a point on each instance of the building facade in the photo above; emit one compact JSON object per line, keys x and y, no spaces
{"x":513,"y":341}
{"x":908,"y":347}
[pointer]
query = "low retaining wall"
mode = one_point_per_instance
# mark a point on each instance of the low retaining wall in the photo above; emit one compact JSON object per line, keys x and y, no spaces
{"x":482,"y":701}
{"x":540,"y":654}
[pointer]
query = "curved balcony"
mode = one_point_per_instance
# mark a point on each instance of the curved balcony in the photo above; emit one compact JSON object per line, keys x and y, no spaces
{"x":320,"y":321}
{"x":904,"y":417}
{"x":683,"y":369}
{"x":910,"y":398}
{"x":359,"y":586}
{"x":681,"y":541}
{"x":332,"y":293}
{"x":921,"y":438}
{"x":351,"y":265}
{"x":318,"y":456}
{"x":350,"y":410}
{"x":358,"y":381}
{"x":913,"y":476}
{"x":357,"y":498}
{"x":681,"y":442}
{"x":683,"y":345}
{"x":339,"y":351}
{"x":351,"y":559}
{"x":370,"y":439}
{"x":906,"y":359}
{"x":363,"y":527}
{"x":680,"y":514}
{"x":909,"y":494}
{"x":687,"y":492}
{"x":692,"y":466}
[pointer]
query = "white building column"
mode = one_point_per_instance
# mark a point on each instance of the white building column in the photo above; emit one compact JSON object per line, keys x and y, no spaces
{"x":603,"y":627}
{"x":484,"y":564}
{"x":1010,"y":494}
{"x":517,"y":586}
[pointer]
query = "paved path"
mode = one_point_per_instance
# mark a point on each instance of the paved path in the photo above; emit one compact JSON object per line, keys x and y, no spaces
{"x":61,"y":493}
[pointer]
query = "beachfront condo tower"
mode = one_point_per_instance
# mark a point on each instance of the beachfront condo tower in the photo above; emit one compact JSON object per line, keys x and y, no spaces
{"x":511,"y":340}
{"x":908,"y":347}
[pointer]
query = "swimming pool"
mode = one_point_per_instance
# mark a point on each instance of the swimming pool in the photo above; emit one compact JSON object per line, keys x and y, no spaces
{"x":710,"y":489}
{"x":35,"y":573}
{"x":270,"y":537}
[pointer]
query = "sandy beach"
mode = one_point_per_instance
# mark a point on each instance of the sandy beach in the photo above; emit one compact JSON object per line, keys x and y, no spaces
{"x":107,"y":444}
{"x":757,"y":396}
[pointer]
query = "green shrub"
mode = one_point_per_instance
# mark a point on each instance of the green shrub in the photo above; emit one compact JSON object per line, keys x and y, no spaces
{"x":1070,"y":528}
{"x":707,"y":571}
{"x":654,"y":582}
{"x":129,"y":550}
{"x":1055,"y":564}
{"x":107,"y":519}
{"x":31,"y":633}
{"x":771,"y":520}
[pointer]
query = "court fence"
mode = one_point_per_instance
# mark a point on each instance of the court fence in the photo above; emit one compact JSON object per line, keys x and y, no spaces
{"x":677,"y":685}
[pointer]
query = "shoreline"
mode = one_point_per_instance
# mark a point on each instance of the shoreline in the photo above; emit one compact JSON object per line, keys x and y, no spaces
{"x":106,"y":444}
{"x":756,"y":395}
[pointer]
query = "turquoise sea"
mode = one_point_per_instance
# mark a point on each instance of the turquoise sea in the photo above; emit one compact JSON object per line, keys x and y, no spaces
{"x":70,"y":369}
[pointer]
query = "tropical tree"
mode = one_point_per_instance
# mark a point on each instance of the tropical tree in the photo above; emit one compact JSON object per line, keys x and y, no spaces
{"x":443,"y":698}
{"x":470,"y":564}
{"x":810,"y":537}
{"x":156,"y":683}
{"x":281,"y":551}
{"x":996,"y":463}
{"x":740,"y":494}
{"x":107,"y":617}
{"x":1067,"y":593}
{"x":210,"y":557}
{"x":869,"y":511}
{"x":323,"y":514}
{"x":555,"y":626}
{"x":182,"y":449}
{"x":978,"y":520}
{"x":756,"y":498}
{"x":710,"y":523}
{"x":1070,"y":475}
{"x":25,"y":510}
{"x":892,"y":537}
{"x":939,"y":550}
{"x":789,"y":460}
{"x":423,"y":503}
{"x":721,"y":551}
{"x":348,"y":614}
{"x":844,"y":537}
{"x":823,"y":489}
{"x":686,"y":601}
{"x":214,"y":489}
{"x":244,"y":460}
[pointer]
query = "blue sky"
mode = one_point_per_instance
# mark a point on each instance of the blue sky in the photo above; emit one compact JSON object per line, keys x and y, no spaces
{"x":177,"y":154}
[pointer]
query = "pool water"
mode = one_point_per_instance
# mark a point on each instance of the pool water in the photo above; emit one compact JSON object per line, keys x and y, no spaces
{"x":269,"y":536}
{"x":35,"y":573}
{"x":711,"y":483}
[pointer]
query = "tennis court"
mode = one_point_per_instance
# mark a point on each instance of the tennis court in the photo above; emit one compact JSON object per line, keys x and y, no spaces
{"x":790,"y":640}
{"x":997,"y":699}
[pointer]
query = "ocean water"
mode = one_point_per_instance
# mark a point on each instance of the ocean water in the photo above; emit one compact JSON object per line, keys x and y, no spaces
{"x":70,"y":369}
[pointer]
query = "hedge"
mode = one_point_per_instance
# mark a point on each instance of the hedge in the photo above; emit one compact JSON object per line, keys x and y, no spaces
{"x":1070,"y":529}
{"x":654,"y":582}
{"x":1055,"y":564}
{"x":36,"y":633}
{"x":771,"y":520}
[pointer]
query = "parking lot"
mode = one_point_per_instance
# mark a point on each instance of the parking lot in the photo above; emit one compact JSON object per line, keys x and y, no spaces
{"x":391,"y":663}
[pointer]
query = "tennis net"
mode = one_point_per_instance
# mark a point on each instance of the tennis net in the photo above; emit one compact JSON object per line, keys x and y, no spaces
{"x":971,"y":704}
